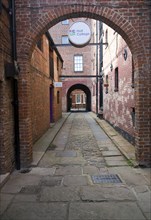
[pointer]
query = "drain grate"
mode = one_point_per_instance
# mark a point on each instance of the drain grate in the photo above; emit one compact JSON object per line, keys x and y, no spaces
{"x":111,"y":178}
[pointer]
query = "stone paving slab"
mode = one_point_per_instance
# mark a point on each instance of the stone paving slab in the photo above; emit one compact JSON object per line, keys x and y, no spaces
{"x":102,"y":193}
{"x":111,"y":153}
{"x":90,"y":170}
{"x":8,"y":188}
{"x":5,"y":200}
{"x":69,"y":170}
{"x":115,"y":158}
{"x":24,"y":179}
{"x":25,"y":198}
{"x":75,"y":181}
{"x":116,"y":163}
{"x":66,"y":153}
{"x":143,"y":195}
{"x":59,"y":194}
{"x":42,"y":171}
{"x":17,"y":181}
{"x":36,"y":211}
{"x":51,"y":181}
{"x":50,"y":160}
{"x":129,"y":175}
{"x":105,"y":211}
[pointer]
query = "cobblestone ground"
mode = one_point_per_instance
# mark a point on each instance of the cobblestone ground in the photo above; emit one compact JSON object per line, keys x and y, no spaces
{"x":82,"y":176}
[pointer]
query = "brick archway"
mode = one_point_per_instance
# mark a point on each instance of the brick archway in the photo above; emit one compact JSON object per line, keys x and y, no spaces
{"x":85,"y":89}
{"x":120,"y":19}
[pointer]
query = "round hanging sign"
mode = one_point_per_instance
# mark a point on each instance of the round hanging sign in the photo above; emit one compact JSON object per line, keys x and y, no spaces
{"x":79,"y":34}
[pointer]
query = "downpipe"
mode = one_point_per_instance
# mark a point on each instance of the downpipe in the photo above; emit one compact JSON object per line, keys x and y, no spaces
{"x":15,"y":83}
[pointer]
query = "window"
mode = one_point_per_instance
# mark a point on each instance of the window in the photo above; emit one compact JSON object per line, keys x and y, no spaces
{"x":116,"y":80}
{"x":106,"y":37}
{"x":107,"y":84}
{"x":132,"y":73}
{"x":84,"y":99}
{"x":78,"y":63}
{"x":51,"y":65}
{"x":78,"y":98}
{"x":57,"y":63}
{"x":65,"y":22}
{"x":64,"y":39}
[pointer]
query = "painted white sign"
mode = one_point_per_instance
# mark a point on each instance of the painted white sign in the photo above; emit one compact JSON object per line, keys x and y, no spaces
{"x":57,"y":84}
{"x":79,"y":34}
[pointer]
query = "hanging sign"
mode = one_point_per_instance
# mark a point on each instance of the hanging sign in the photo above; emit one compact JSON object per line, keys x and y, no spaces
{"x":79,"y":34}
{"x":57,"y":84}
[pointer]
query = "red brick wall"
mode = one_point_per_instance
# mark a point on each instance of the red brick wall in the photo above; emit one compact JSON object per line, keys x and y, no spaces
{"x":118,"y":104}
{"x":40,"y":90}
{"x":68,"y":53}
{"x":57,"y":105}
{"x":131,"y":19}
{"x":7,"y":157}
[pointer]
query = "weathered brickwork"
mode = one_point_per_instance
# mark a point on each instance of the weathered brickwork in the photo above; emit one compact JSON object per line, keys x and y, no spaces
{"x":40,"y":89}
{"x":131,"y":19}
{"x":7,"y":155}
{"x":118,"y":102}
{"x":40,"y":84}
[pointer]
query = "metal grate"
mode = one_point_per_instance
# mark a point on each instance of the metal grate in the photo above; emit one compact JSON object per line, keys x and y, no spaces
{"x":111,"y":178}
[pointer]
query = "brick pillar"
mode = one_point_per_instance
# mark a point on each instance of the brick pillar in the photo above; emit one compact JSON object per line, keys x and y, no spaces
{"x":143,"y":116}
{"x":25,"y":114}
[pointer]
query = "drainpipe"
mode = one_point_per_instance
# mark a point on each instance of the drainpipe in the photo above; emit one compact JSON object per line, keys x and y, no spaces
{"x":97,"y":68}
{"x":15,"y":83}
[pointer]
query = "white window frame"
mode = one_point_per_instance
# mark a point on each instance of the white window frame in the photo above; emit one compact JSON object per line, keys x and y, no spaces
{"x":78,"y":100}
{"x":84,"y":98}
{"x":78,"y":63}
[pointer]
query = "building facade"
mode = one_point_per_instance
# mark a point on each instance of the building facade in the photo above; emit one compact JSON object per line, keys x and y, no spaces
{"x":46,"y":65}
{"x":118,"y":83}
{"x":46,"y":107}
{"x":79,"y":65}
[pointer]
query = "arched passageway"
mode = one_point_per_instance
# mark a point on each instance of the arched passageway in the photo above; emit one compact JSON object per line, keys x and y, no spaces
{"x":122,"y":17}
{"x":85,"y":89}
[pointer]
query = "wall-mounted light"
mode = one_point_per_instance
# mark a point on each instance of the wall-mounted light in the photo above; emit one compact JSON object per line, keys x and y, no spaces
{"x":111,"y":67}
{"x":125,"y":54}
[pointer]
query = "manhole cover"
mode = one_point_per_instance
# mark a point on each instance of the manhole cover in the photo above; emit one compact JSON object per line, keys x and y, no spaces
{"x":30,"y":189}
{"x":112,"y":178}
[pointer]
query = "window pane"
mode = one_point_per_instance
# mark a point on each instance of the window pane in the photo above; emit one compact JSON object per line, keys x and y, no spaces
{"x":64,"y":39}
{"x":78,"y":63}
{"x":78,"y":99}
{"x":65,"y":22}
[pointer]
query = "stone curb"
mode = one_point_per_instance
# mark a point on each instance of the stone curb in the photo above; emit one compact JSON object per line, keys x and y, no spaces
{"x":127,"y":149}
{"x":3,"y":179}
{"x":43,"y":143}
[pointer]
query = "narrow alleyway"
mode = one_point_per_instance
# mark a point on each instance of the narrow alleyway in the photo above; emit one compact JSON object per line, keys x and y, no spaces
{"x":82,"y":176}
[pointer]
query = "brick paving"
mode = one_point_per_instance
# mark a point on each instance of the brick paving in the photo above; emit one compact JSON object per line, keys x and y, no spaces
{"x":65,"y":184}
